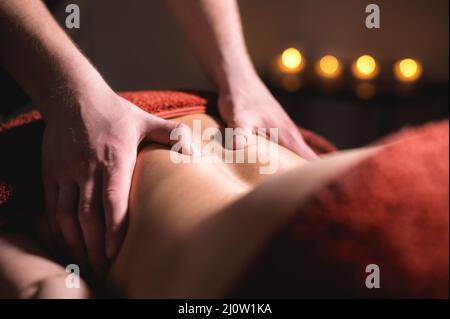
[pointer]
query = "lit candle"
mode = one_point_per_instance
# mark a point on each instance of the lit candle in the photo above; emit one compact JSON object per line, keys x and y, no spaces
{"x":329,"y":67}
{"x":290,"y":61}
{"x":407,"y":70}
{"x":365,"y":68}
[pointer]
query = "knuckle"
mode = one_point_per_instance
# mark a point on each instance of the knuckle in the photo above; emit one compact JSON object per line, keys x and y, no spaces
{"x":114,"y":156}
{"x":182,"y":128}
{"x":110,"y":156}
{"x":111,"y":197}
{"x":111,"y":193}
{"x":113,"y":230}
{"x":89,"y":165}
{"x":85,"y":211}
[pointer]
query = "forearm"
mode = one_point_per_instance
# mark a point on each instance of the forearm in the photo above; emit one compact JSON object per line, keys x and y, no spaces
{"x":214,"y":29}
{"x":41,"y":57}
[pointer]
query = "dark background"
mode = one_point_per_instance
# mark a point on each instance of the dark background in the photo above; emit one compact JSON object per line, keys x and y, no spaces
{"x":136,"y":44}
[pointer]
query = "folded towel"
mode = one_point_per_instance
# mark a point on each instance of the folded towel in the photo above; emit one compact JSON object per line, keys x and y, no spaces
{"x":391,"y":210}
{"x":21,"y":190}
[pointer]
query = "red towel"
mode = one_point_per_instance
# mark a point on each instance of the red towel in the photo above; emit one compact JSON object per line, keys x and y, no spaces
{"x":391,"y":210}
{"x":21,"y":138}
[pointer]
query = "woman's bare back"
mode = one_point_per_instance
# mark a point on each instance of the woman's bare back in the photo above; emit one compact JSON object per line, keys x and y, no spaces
{"x":194,"y":226}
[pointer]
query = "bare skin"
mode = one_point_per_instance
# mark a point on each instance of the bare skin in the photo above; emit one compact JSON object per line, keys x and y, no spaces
{"x":192,"y":227}
{"x":27,"y":271}
{"x":89,"y":150}
{"x":214,"y":30}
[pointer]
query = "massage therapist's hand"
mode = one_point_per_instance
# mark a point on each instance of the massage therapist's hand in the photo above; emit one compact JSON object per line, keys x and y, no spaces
{"x":251,"y":106}
{"x":89,"y":153}
{"x":214,"y":29}
{"x":91,"y":136}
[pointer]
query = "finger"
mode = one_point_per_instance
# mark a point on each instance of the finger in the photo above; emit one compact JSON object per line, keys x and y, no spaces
{"x":169,"y":133}
{"x":241,"y":134}
{"x":51,"y":199}
{"x":116,"y":190}
{"x":307,"y":152}
{"x":92,"y":223}
{"x":293,"y":140}
{"x":66,"y":218}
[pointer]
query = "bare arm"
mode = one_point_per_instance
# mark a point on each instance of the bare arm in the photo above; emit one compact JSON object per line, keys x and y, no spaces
{"x":91,"y":135}
{"x":215,"y":32}
{"x":214,"y":29}
{"x":42,"y":58}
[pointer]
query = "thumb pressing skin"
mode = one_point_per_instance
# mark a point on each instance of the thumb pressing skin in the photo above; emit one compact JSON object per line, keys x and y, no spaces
{"x":168,"y":133}
{"x":117,"y":177}
{"x":240,"y":136}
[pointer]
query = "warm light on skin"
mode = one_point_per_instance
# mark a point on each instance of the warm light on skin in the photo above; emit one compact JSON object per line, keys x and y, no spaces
{"x":407,"y":70}
{"x":365,"y":68}
{"x":290,"y":61}
{"x":329,"y":67}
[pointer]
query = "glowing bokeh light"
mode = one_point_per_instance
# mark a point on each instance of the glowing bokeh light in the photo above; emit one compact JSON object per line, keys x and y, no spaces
{"x":291,"y":61}
{"x":365,"y":67}
{"x":291,"y":58}
{"x":329,"y":67}
{"x":407,"y":70}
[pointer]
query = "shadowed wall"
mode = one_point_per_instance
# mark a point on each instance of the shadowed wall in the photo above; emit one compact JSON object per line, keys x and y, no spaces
{"x":137,"y":44}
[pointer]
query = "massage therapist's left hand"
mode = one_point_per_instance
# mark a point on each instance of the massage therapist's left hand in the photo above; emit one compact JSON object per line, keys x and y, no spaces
{"x":214,"y":30}
{"x":91,"y":134}
{"x":89,"y":152}
{"x":251,"y":106}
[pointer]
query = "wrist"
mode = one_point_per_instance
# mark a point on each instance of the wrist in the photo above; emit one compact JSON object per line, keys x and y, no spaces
{"x":238,"y":78}
{"x":70,"y":91}
{"x":241,"y":83}
{"x":72,"y":101}
{"x":232,"y":67}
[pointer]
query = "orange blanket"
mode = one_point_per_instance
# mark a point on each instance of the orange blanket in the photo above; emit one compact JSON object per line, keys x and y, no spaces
{"x":391,"y":210}
{"x":21,"y":138}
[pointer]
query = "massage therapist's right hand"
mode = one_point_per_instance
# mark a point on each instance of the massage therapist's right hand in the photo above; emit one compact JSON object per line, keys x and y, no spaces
{"x":89,"y":153}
